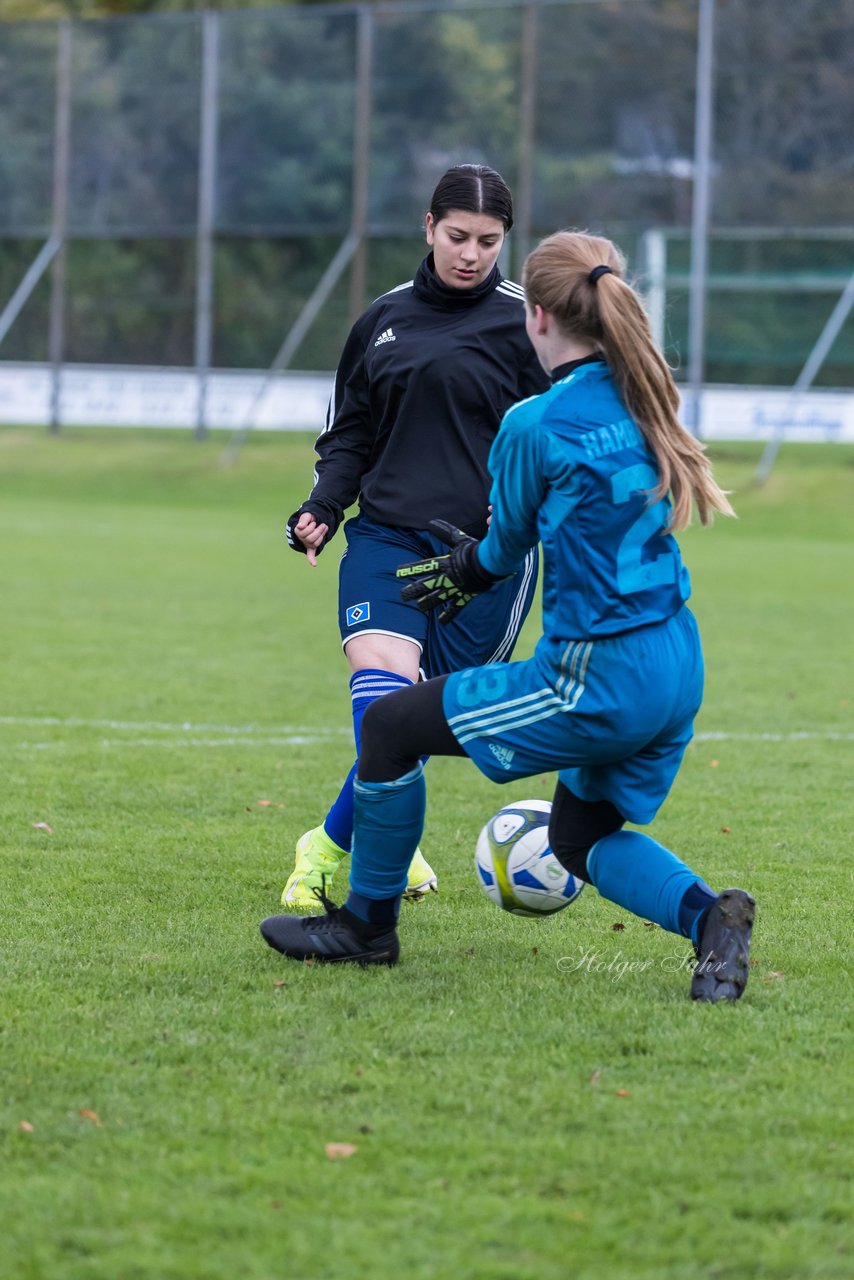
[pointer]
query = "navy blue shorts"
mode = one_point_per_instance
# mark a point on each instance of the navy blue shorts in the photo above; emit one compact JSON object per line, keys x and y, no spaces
{"x":369,"y":600}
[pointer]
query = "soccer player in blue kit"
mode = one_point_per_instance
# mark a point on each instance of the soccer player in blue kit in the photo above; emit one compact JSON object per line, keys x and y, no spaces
{"x":600,"y":471}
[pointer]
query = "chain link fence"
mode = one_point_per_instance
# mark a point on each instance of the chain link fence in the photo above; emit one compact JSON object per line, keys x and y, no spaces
{"x":190,"y":190}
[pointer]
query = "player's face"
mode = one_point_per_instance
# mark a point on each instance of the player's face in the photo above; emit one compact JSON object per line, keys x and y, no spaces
{"x":465,"y":247}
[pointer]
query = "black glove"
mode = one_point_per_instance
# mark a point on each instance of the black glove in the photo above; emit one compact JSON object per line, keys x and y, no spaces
{"x":451,"y":581}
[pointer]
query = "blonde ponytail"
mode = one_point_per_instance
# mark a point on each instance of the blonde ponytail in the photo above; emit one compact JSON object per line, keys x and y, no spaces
{"x":562,"y":275}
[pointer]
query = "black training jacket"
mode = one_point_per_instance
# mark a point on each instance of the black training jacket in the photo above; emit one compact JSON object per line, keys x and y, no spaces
{"x":425,"y":378}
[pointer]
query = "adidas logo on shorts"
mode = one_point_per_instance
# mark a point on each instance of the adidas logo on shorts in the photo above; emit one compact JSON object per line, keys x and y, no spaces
{"x":504,"y":755}
{"x":387,"y":335}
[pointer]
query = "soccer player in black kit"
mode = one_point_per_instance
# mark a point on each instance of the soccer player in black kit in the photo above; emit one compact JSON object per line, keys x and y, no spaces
{"x":425,"y":378}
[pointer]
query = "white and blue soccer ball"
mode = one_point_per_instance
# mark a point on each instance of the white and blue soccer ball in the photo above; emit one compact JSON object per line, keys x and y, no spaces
{"x":515,"y":865}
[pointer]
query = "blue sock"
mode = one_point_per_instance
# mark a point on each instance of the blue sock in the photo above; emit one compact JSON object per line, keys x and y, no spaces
{"x":693,"y":910}
{"x":365,"y":687}
{"x":338,"y":823}
{"x":389,"y":822}
{"x":639,"y":874}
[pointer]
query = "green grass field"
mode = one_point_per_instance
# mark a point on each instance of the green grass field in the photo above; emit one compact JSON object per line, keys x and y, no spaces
{"x":528,"y":1100}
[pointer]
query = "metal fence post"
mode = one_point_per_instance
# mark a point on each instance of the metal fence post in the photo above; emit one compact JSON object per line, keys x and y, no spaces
{"x":700,"y":212}
{"x":527,"y":131}
{"x":208,"y":108}
{"x":807,"y":375}
{"x":61,"y":169}
{"x":361,"y":157}
{"x":654,"y":257}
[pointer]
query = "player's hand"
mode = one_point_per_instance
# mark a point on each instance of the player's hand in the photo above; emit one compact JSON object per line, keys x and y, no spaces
{"x":311,"y":534}
{"x":447,"y":582}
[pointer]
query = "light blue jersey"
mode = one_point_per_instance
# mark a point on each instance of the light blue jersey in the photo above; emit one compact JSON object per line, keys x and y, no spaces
{"x":572,"y":470}
{"x":609,"y":697}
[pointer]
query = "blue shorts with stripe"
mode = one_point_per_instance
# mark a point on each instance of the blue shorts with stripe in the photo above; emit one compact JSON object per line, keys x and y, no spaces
{"x":369,"y":600}
{"x":612,"y":716}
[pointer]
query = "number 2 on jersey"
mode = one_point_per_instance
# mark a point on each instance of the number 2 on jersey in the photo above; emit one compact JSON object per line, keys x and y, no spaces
{"x":633,"y":572}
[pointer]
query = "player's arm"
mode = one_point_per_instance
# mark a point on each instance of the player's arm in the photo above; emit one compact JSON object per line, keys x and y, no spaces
{"x":517,"y":462}
{"x":343,"y":452}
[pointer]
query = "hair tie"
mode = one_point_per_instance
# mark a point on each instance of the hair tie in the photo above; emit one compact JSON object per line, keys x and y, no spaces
{"x":597,"y":272}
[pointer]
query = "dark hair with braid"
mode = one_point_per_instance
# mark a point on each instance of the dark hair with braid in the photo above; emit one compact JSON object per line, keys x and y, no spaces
{"x":606,"y":311}
{"x":473,"y":188}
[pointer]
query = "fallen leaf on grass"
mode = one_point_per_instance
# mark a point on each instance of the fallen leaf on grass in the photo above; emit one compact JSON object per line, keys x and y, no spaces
{"x":622,"y":1093}
{"x":90,"y":1115}
{"x":713,"y":764}
{"x":772,"y":975}
{"x":618,"y":927}
{"x":340,"y":1150}
{"x":43,"y":826}
{"x":25,"y":1126}
{"x":279,"y":982}
{"x":650,"y":924}
{"x":725,"y":831}
{"x":594,"y":1079}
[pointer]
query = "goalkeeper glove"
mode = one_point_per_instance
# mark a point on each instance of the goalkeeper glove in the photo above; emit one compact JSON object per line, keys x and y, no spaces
{"x":450,"y":581}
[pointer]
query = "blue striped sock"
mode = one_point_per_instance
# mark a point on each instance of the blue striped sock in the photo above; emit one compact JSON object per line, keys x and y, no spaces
{"x":365,"y":687}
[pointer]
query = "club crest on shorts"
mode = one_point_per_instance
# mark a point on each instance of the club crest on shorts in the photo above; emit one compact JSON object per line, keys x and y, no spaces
{"x":358,"y":613}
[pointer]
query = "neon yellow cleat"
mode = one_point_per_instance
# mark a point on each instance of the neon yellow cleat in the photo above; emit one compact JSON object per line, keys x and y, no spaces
{"x":317,"y":860}
{"x":421,"y":880}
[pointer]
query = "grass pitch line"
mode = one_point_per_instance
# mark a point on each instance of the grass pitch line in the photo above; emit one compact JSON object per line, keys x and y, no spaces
{"x":305,"y":732}
{"x":173,"y":744}
{"x":188,"y":734}
{"x":808,"y":735}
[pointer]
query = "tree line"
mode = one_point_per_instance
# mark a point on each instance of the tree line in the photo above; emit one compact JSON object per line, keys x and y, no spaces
{"x":612,"y":151}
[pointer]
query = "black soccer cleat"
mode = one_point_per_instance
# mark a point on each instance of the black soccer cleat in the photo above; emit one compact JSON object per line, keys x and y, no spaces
{"x":722,"y":956}
{"x":330,"y":938}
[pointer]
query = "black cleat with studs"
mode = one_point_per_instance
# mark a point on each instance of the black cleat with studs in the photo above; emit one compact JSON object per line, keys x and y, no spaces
{"x":333,"y":938}
{"x":723,"y":953}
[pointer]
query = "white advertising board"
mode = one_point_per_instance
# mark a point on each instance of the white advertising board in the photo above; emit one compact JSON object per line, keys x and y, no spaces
{"x":114,"y":396}
{"x":108,"y":395}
